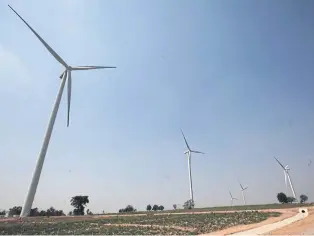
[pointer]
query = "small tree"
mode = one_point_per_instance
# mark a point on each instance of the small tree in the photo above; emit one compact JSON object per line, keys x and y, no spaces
{"x":189,"y":204}
{"x":129,"y":208}
{"x":79,"y":203}
{"x":2,"y":213}
{"x":282,"y":198}
{"x":161,"y":208}
{"x":155,"y":207}
{"x":303,"y":198}
{"x":174,"y":206}
{"x":16,"y":210}
{"x":149,"y":207}
{"x":34,"y":212}
{"x":290,"y":199}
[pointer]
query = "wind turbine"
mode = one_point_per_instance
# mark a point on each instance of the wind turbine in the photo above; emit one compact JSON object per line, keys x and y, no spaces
{"x":310,"y":162}
{"x":189,"y":153}
{"x":66,"y":75}
{"x":287,"y":176}
{"x":242,"y":190}
{"x":232,"y":198}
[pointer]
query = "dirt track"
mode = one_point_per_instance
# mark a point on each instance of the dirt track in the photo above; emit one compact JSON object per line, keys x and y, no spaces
{"x":298,"y":228}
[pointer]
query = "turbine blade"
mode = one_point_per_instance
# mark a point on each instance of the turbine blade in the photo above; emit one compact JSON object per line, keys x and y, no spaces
{"x":186,"y":143}
{"x":230,"y":194}
{"x":245,"y":188}
{"x":91,"y":67}
{"x":198,"y":152}
{"x":241,"y":185}
{"x":58,"y":58}
{"x":279,"y":163}
{"x":69,"y":97}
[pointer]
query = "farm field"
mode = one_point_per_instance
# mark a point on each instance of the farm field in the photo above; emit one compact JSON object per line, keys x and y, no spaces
{"x":191,"y":224}
{"x":224,"y":208}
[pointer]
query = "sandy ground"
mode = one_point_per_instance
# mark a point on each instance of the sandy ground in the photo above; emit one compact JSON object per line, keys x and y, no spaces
{"x":302,"y":227}
{"x":285,"y":213}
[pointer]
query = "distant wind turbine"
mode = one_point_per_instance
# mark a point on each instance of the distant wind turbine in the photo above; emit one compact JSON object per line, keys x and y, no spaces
{"x":232,"y":198}
{"x":242,"y":191}
{"x":189,"y":153}
{"x":310,"y":162}
{"x":66,"y":75}
{"x":287,"y":176}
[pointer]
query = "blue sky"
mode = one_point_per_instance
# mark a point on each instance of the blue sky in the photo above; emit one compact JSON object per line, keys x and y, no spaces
{"x":236,"y":76}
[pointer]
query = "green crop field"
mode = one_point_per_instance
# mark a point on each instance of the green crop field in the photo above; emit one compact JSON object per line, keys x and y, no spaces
{"x":165,"y":224}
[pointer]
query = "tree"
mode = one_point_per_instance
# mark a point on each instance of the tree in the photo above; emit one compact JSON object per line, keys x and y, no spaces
{"x":42,"y":213}
{"x":303,"y":198}
{"x":88,"y":212}
{"x":155,"y":207}
{"x":161,"y":208}
{"x":16,"y":210}
{"x":290,"y":199}
{"x":282,"y":198}
{"x":51,"y":211}
{"x":174,"y":206}
{"x":79,"y":203}
{"x":34,"y":212}
{"x":149,"y":207}
{"x":129,"y":208}
{"x":2,"y":213}
{"x":189,"y":204}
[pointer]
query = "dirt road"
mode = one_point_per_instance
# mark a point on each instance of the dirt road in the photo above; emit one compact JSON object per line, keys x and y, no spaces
{"x":303,"y":227}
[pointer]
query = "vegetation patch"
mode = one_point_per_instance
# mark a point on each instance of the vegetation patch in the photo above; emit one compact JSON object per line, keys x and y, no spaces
{"x":183,"y":224}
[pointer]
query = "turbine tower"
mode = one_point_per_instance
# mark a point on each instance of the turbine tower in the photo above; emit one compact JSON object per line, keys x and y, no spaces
{"x":287,"y":176}
{"x":65,"y":76}
{"x":242,"y":191}
{"x":232,"y":198}
{"x":189,"y":153}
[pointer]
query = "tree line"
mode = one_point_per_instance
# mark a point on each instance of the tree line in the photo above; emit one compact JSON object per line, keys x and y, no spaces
{"x":155,"y":207}
{"x":78,"y":202}
{"x":283,"y":198}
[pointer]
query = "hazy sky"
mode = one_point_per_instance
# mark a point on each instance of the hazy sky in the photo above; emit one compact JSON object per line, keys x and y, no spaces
{"x":236,"y":76}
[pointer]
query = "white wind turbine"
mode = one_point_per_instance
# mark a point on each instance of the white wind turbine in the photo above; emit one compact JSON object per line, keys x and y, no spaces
{"x":189,"y":153}
{"x":287,"y":176}
{"x":65,"y":76}
{"x":232,"y":198}
{"x":242,"y":191}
